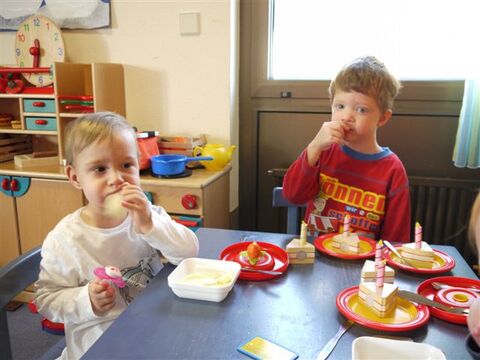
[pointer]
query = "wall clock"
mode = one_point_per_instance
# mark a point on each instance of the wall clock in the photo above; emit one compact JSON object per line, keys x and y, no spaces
{"x":38,"y":44}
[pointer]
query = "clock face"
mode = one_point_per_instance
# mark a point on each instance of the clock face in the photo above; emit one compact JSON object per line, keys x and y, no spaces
{"x":39,"y":43}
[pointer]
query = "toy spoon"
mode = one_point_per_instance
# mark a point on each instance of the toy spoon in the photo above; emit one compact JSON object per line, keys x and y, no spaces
{"x":111,"y":273}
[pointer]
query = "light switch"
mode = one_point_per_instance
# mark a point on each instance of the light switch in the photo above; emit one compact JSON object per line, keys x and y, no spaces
{"x":190,"y":23}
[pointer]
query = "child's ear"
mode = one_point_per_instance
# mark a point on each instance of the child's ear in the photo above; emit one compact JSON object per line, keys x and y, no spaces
{"x":72,"y":177}
{"x":385,"y":117}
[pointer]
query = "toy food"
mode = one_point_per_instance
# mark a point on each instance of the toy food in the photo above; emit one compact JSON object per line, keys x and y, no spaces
{"x":113,"y":206}
{"x":369,"y":272}
{"x":208,"y":278}
{"x":418,"y":253}
{"x":379,"y":296}
{"x":254,"y":253}
{"x":347,"y":241}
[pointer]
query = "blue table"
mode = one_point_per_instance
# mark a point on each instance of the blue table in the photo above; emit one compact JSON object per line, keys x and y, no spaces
{"x":296,"y":310}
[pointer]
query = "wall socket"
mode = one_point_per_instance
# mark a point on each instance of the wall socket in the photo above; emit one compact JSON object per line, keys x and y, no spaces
{"x":190,"y":23}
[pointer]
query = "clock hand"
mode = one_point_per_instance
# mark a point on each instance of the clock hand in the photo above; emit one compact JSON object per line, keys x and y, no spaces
{"x":35,"y":52}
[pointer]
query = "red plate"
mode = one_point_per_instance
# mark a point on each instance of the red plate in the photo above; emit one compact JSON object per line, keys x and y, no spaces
{"x":442,"y":262}
{"x":367,"y":247}
{"x":426,"y":289}
{"x":407,"y":315}
{"x":279,"y":255}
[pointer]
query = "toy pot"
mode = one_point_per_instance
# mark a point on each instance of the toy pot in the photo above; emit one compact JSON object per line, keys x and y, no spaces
{"x":172,"y":164}
{"x":220,"y":154}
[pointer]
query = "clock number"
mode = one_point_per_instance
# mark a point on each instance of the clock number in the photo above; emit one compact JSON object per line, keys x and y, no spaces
{"x":48,"y":26}
{"x":21,"y":37}
{"x":55,"y":36}
{"x":60,"y":51}
{"x":26,"y":27}
{"x":40,"y":79}
{"x":22,"y":64}
{"x":36,"y":22}
{"x":17,"y":51}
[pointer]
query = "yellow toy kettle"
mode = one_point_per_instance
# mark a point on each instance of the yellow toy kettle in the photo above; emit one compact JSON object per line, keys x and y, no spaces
{"x":221,"y":155}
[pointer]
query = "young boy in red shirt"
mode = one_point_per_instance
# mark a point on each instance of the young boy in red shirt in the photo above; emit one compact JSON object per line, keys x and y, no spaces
{"x":343,"y":170}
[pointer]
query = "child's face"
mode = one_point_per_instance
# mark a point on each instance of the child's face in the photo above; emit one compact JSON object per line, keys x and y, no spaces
{"x":102,"y":168}
{"x":360,"y":114}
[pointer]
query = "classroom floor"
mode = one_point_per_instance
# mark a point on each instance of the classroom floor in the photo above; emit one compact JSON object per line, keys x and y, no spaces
{"x":28,"y":340}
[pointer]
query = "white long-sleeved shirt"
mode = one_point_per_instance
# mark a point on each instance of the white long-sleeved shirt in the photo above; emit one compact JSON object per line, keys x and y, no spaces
{"x":73,"y":249}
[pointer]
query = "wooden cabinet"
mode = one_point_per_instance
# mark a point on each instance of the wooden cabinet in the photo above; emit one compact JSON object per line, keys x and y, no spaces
{"x":204,"y":195}
{"x":26,"y":219}
{"x":43,"y":116}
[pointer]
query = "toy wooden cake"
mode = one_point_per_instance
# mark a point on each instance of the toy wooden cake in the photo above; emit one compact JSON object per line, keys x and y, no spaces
{"x":418,"y":253}
{"x":299,"y":250}
{"x":346,"y":241}
{"x":379,"y":296}
{"x":369,"y":269}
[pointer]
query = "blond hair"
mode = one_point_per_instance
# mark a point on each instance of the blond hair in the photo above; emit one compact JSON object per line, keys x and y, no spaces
{"x":92,"y":128}
{"x":474,"y":218}
{"x":369,"y":76}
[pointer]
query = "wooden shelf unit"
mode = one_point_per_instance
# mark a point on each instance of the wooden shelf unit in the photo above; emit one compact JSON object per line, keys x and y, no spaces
{"x":103,"y":81}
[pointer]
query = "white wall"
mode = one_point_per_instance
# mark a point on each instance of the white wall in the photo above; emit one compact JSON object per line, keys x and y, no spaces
{"x":179,"y":85}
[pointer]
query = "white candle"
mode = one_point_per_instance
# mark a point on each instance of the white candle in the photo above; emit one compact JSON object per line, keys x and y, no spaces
{"x":303,"y":233}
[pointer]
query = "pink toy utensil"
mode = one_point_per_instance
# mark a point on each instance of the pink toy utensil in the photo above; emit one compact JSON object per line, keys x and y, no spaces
{"x":111,"y":273}
{"x":418,"y":236}
{"x":346,"y":223}
{"x":380,"y":275}
{"x":378,"y":253}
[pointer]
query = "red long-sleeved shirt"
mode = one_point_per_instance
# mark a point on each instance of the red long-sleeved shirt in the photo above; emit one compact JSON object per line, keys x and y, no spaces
{"x":371,"y":188}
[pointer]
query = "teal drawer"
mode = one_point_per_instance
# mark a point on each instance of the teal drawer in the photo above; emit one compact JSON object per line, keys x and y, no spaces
{"x":39,"y":105}
{"x":41,"y":123}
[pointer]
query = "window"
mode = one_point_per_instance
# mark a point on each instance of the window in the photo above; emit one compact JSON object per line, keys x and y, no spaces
{"x":416,"y":39}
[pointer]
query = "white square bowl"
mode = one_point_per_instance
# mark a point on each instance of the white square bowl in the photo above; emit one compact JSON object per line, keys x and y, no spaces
{"x":197,"y":291}
{"x":370,"y":347}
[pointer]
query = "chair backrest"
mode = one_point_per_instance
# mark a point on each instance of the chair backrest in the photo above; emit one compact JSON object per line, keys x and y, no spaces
{"x":14,"y":277}
{"x":293,"y":210}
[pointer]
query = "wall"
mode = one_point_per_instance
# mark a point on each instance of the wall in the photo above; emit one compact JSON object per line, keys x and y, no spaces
{"x":179,"y":85}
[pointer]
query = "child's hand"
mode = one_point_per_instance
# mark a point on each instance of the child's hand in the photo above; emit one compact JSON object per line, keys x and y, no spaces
{"x":135,"y":200}
{"x":102,"y":296}
{"x":473,"y":320}
{"x":331,"y":132}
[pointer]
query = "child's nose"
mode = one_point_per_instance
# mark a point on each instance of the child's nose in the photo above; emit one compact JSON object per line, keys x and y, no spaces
{"x":116,"y":178}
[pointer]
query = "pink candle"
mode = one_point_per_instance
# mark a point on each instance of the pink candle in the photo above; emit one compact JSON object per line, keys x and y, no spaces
{"x":378,"y":253}
{"x":418,"y":236}
{"x":346,"y":223}
{"x":380,"y":274}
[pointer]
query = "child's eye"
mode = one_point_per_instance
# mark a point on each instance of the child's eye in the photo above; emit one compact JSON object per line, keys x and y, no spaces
{"x":127,"y":165}
{"x":99,"y":169}
{"x":362,"y":109}
{"x":338,"y":106}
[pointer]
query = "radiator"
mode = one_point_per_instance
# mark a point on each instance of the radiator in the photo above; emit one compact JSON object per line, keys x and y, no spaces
{"x":442,"y":206}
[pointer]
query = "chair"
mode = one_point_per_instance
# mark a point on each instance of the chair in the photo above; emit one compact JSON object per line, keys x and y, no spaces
{"x":293,"y":210}
{"x":14,"y":277}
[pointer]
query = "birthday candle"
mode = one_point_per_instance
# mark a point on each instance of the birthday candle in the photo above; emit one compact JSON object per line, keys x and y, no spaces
{"x":380,"y":274}
{"x":418,"y":236}
{"x":346,"y":223}
{"x":303,"y":233}
{"x":378,"y":253}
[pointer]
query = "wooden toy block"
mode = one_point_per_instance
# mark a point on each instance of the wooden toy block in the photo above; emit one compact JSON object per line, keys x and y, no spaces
{"x":299,"y":250}
{"x":299,"y":253}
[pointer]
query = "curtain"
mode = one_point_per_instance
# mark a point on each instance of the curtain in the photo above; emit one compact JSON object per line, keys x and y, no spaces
{"x":467,"y":144}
